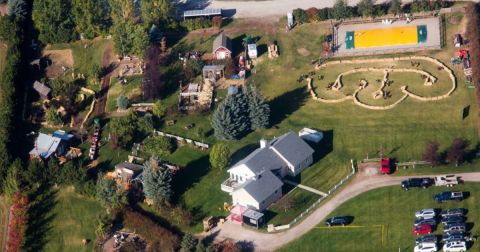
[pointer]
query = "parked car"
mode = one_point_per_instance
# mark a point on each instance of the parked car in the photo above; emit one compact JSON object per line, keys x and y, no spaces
{"x":426,"y":247}
{"x":416,"y":182}
{"x":423,"y":229}
{"x":427,"y":213}
{"x":386,"y":166}
{"x":421,"y":221}
{"x":453,"y":237}
{"x":453,"y":212}
{"x":455,"y":228}
{"x":453,"y":219}
{"x":338,"y":221}
{"x":426,"y":239}
{"x":455,"y":246}
{"x":448,"y":196}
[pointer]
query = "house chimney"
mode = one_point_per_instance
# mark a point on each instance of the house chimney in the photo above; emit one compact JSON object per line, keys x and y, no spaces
{"x":263,"y":143}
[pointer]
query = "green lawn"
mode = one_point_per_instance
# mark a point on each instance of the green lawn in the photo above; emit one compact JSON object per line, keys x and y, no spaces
{"x":390,"y":208}
{"x":132,"y":90}
{"x":74,"y":219}
{"x":278,"y":215}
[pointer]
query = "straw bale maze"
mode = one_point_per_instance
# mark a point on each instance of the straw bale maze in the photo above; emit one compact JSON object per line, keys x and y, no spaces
{"x":383,"y":83}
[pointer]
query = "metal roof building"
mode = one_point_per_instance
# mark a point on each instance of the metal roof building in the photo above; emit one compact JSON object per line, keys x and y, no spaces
{"x":202,"y":13}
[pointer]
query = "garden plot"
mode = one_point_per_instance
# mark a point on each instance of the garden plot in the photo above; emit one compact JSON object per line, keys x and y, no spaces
{"x":61,"y":60}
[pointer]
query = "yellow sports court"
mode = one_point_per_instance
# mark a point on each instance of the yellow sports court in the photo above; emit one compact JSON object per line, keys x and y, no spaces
{"x":380,"y":37}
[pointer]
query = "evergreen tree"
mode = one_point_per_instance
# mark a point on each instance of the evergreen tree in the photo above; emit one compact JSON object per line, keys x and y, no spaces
{"x":230,"y":120}
{"x":259,"y":110}
{"x":54,"y":20}
{"x":366,"y":8}
{"x":108,"y":194}
{"x":188,"y":243}
{"x":341,"y":9}
{"x":122,"y":102}
{"x":157,"y":182}
{"x":17,"y":9}
{"x":92,"y":17}
{"x":12,"y":182}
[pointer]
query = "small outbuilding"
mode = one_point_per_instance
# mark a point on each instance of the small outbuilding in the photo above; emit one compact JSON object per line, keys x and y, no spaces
{"x":253,"y":218}
{"x":458,"y":40}
{"x":252,"y":51}
{"x":129,"y":174}
{"x":213,"y":72}
{"x":47,"y":145}
{"x":222,"y":47}
{"x":202,"y":13}
{"x":42,"y":89}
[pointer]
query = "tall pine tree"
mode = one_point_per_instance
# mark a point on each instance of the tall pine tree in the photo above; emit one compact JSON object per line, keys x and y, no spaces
{"x":54,"y":20}
{"x":230,"y":120}
{"x":157,"y":182}
{"x":92,"y":17}
{"x":259,"y":110}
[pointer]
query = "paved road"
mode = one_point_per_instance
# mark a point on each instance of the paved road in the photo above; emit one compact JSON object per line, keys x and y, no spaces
{"x":245,"y":9}
{"x":360,"y":184}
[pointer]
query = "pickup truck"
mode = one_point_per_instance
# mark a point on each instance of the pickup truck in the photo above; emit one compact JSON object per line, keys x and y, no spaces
{"x":416,"y":182}
{"x":447,"y":180}
{"x":448,"y":196}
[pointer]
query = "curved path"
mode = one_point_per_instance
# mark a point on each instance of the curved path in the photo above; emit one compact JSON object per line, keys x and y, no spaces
{"x":360,"y":184}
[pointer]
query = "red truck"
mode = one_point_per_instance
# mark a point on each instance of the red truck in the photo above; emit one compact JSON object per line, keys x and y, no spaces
{"x":386,"y":166}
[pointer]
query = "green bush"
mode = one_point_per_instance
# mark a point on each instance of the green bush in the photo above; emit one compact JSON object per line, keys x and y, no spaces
{"x":300,"y":16}
{"x":196,"y":23}
{"x":158,"y":146}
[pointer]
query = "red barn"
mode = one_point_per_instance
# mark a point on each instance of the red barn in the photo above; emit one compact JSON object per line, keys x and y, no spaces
{"x":222,"y":47}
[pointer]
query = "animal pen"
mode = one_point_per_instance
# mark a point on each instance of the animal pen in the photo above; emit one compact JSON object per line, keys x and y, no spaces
{"x":194,"y":96}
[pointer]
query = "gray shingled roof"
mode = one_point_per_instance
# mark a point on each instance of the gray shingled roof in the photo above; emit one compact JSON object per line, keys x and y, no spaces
{"x":41,"y":88}
{"x":292,"y":148}
{"x":262,"y":159}
{"x":221,"y":41}
{"x":263,"y":187}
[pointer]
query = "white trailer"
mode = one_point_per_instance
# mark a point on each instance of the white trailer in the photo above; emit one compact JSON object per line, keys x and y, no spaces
{"x":447,"y":180}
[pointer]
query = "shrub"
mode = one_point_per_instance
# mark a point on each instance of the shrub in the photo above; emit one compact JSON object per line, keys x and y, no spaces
{"x":220,"y":156}
{"x":324,"y":14}
{"x":122,"y":102}
{"x":196,"y":23}
{"x":312,"y":14}
{"x":300,"y":16}
{"x":158,"y":146}
{"x":53,"y":117}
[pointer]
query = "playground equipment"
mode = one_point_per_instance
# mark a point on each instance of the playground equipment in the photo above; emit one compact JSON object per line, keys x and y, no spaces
{"x":272,"y":51}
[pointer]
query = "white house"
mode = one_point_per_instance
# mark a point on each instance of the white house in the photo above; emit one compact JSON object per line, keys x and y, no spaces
{"x":255,"y":181}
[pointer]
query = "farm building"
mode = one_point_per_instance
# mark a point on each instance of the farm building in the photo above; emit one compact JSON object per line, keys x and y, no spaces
{"x":202,"y":13}
{"x":128,"y":174}
{"x":255,"y":181}
{"x":42,"y":89}
{"x":195,"y":96}
{"x":213,"y":72}
{"x":222,"y":47}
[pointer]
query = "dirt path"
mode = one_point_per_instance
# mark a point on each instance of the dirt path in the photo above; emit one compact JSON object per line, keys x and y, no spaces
{"x":107,"y":63}
{"x":4,"y":223}
{"x":363,"y":182}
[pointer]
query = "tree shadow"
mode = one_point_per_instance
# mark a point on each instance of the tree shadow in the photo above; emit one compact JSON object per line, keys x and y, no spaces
{"x":324,"y":147}
{"x":282,"y":106}
{"x":189,"y":175}
{"x":242,"y":153}
{"x":209,"y":239}
{"x":40,"y":218}
{"x":246,"y":246}
{"x":262,"y":49}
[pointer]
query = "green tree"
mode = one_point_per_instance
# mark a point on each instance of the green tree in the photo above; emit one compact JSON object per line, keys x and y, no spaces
{"x":341,"y":9}
{"x":145,"y":123}
{"x":54,"y":20}
{"x":35,"y":173}
{"x":122,"y":9}
{"x":200,"y":247}
{"x":366,"y":8}
{"x":130,"y":38}
{"x":158,"y":146}
{"x":53,"y":171}
{"x":109,"y":194}
{"x":157,"y":182}
{"x":53,"y":117}
{"x":300,"y":16}
{"x":395,"y":7}
{"x":157,"y":12}
{"x":122,"y":129}
{"x":122,"y":102}
{"x":95,"y":72}
{"x":220,"y":156}
{"x":92,"y":17}
{"x":258,"y":108}
{"x":230,"y":120}
{"x":188,"y":243}
{"x":159,"y":109}
{"x":17,"y":9}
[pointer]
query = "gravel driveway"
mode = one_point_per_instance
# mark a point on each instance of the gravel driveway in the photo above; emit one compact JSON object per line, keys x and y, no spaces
{"x":362,"y":182}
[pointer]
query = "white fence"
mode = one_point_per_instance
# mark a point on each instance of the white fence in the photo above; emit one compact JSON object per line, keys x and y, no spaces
{"x":182,"y":139}
{"x":316,"y":203}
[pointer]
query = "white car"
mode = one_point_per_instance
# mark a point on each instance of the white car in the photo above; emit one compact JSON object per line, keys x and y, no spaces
{"x":428,"y":213}
{"x":455,"y":246}
{"x":426,"y":247}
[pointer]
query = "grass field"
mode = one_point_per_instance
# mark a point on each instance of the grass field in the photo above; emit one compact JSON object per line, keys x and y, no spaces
{"x":131,"y":90}
{"x":392,"y":208}
{"x":74,"y":219}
